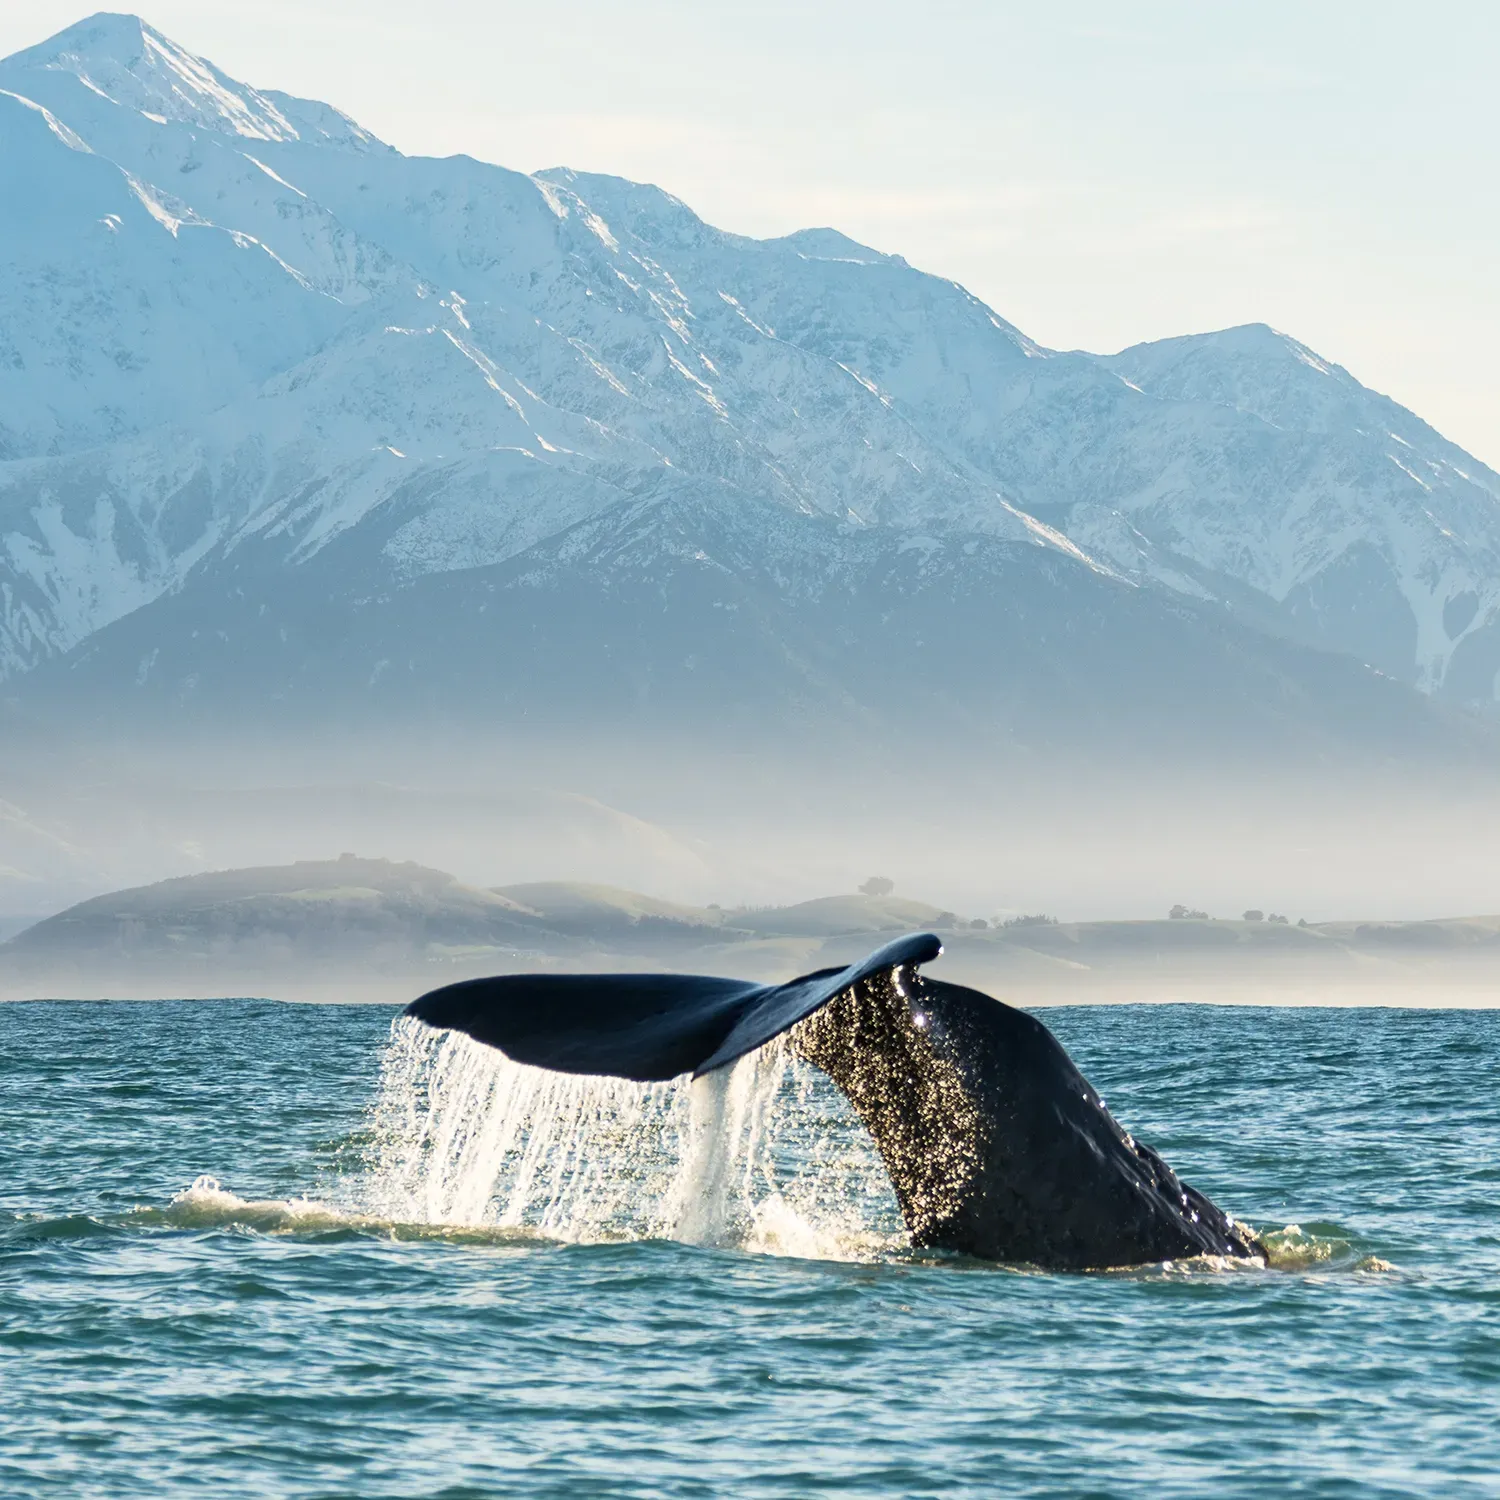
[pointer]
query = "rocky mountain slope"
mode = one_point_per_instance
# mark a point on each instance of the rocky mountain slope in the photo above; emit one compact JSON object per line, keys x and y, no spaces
{"x":289,"y":419}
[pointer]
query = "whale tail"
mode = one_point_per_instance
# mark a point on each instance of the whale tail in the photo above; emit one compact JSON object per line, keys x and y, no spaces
{"x":645,"y":1026}
{"x":995,"y":1143}
{"x":997,"y":1146}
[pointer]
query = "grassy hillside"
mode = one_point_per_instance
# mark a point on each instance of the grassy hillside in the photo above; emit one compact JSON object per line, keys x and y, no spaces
{"x":574,"y":906}
{"x":370,"y":928}
{"x":835,"y":916}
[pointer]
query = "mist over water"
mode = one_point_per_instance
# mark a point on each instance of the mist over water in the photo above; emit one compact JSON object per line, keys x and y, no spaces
{"x":1081,"y":837}
{"x":963,"y":844}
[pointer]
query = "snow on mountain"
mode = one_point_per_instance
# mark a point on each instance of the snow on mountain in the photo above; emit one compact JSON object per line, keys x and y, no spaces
{"x":130,"y":64}
{"x":1368,"y":530}
{"x":1236,"y":466}
{"x":122,"y":306}
{"x":240,"y":338}
{"x":447,"y":330}
{"x":717,"y":626}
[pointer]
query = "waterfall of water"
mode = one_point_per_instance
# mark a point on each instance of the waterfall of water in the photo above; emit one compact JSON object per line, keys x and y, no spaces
{"x":765,"y":1155}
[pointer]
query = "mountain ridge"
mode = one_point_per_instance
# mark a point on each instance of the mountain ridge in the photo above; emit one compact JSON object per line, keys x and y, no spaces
{"x":426,"y":368}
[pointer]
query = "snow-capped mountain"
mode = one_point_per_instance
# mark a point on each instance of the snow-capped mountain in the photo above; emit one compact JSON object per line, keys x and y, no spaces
{"x":1368,"y":530}
{"x":261,"y":375}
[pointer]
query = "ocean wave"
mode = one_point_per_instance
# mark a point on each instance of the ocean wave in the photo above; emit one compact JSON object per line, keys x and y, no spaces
{"x":775,"y":1228}
{"x":206,"y":1204}
{"x":1318,"y":1247}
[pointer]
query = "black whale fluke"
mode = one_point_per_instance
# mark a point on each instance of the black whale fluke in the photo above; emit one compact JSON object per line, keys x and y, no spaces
{"x":644,"y":1026}
{"x":995,"y":1143}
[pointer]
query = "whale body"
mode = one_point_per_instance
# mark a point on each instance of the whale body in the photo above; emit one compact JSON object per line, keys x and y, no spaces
{"x":996,"y":1145}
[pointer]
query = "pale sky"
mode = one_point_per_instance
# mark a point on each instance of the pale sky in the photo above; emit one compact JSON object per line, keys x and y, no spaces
{"x":1100,"y":173}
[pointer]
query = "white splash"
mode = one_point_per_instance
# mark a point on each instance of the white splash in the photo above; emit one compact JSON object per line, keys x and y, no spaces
{"x":764,"y":1156}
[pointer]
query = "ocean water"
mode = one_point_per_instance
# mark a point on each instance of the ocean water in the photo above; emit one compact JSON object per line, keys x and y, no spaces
{"x":270,"y":1250}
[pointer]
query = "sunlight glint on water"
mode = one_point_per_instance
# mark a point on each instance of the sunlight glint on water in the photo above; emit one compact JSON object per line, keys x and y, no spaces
{"x":765,"y":1155}
{"x":272,"y":1331}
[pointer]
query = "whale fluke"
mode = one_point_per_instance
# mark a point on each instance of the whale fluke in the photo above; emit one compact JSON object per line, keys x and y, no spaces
{"x":996,"y":1144}
{"x":648,"y":1027}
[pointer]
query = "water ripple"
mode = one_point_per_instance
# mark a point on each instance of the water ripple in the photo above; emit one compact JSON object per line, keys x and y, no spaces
{"x":224,"y":1269}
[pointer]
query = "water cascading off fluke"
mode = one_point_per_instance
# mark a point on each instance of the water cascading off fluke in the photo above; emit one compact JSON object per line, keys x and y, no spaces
{"x":762,"y":1155}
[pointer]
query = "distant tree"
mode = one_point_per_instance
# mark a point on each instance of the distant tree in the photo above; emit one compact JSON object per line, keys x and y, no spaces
{"x":979,"y":922}
{"x":877,"y":885}
{"x":1031,"y":919}
{"x":1179,"y":912}
{"x":1255,"y":916}
{"x":1302,"y":921}
{"x":1277,"y":917}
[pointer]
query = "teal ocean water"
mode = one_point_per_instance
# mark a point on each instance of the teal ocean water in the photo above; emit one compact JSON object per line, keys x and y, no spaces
{"x":259,"y":1249}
